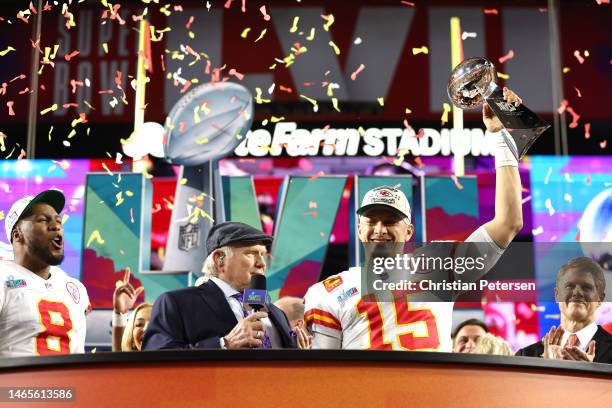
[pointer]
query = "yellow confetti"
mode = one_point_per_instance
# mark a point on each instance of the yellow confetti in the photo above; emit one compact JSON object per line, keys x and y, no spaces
{"x":274,"y":119}
{"x":105,"y":48}
{"x":273,"y":66}
{"x":309,"y":99}
{"x":191,"y":35}
{"x":335,"y":47}
{"x":65,"y":218}
{"x":52,"y":108}
{"x":200,"y":212}
{"x":196,"y":115}
{"x":183,"y":181}
{"x":95,"y":235}
{"x":93,"y":350}
{"x":202,"y":141}
{"x":50,"y":130}
{"x":1,"y":215}
{"x":361,"y":131}
{"x":72,"y":134}
{"x":129,"y":193}
{"x":586,"y":53}
{"x":76,"y":121}
{"x":408,"y":111}
{"x":263,"y":32}
{"x":422,"y":50}
{"x":264,"y":122}
{"x":335,"y":104}
{"x":381,"y":101}
{"x":6,"y":51}
{"x":566,"y":70}
{"x":245,"y":32}
{"x":503,"y":76}
{"x":312,"y":34}
{"x":258,"y":98}
{"x":330,"y":21}
{"x":119,"y":199}
{"x":447,"y":109}
{"x":294,"y":27}
{"x":205,"y":108}
{"x":105,"y":167}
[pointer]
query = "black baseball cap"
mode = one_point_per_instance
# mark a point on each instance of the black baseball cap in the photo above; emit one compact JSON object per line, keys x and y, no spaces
{"x":232,"y":232}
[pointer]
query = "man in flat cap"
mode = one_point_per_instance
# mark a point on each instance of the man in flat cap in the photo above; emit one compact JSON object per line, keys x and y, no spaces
{"x":212,"y":315}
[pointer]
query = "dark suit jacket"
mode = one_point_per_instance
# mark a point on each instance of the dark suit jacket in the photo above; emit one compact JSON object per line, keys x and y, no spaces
{"x":197,"y":317}
{"x":603,"y":347}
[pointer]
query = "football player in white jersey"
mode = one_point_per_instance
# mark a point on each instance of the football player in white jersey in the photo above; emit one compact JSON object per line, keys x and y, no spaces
{"x":339,"y":315}
{"x":42,"y":309}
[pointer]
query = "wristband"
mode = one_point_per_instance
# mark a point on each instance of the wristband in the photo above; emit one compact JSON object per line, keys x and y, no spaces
{"x":119,"y":319}
{"x":503,"y":154}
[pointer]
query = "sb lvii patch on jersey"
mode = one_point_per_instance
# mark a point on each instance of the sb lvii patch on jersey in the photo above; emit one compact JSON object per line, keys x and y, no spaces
{"x":332,"y":283}
{"x":15,"y":283}
{"x":347,"y":294}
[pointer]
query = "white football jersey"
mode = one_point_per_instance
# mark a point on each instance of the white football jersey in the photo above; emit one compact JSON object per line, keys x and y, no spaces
{"x":339,"y":317}
{"x":38,"y":316}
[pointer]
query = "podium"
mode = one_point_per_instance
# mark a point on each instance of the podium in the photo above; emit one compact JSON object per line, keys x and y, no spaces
{"x":309,"y":378}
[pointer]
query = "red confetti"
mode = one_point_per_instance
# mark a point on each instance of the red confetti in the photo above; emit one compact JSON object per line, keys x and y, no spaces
{"x":181,"y":126}
{"x":186,"y":86}
{"x":162,"y":63}
{"x":575,"y":117}
{"x":588,"y":180}
{"x":157,"y":208}
{"x":22,"y":154}
{"x":316,"y":176}
{"x":3,"y":89}
{"x":263,"y":11}
{"x":577,"y":237}
{"x":243,"y":8}
{"x":9,"y":104}
{"x":491,"y":11}
{"x":70,"y":105}
{"x":107,"y":91}
{"x":600,"y":2}
{"x":284,"y":89}
{"x":563,"y":106}
{"x":228,"y":3}
{"x":312,"y":213}
{"x":578,"y":57}
{"x":407,"y":3}
{"x":457,"y":183}
{"x":603,"y":144}
{"x":73,"y":54}
{"x":407,"y":125}
{"x":236,"y":74}
{"x":357,"y":71}
{"x":419,"y":162}
{"x":189,"y":23}
{"x":506,"y":57}
{"x":326,"y":128}
{"x":587,"y":130}
{"x":420,"y":134}
{"x":22,"y":76}
{"x":24,"y":91}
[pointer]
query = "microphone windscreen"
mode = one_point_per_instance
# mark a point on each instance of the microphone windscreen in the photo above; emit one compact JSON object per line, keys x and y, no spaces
{"x":258,"y":282}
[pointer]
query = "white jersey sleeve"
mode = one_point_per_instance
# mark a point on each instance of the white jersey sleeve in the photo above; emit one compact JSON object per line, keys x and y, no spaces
{"x":479,"y":245}
{"x":321,"y":315}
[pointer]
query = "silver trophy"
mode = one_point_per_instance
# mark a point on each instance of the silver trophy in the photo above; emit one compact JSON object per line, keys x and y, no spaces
{"x":472,"y":83}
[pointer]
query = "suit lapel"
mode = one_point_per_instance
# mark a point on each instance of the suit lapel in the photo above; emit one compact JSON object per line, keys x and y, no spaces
{"x":215,"y":299}
{"x":279,"y":320}
{"x":603,"y":342}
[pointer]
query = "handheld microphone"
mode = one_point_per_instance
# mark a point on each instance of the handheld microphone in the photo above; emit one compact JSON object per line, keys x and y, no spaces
{"x":257,"y":295}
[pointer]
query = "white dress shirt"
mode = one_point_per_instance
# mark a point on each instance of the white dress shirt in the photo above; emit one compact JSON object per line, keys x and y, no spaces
{"x":236,"y":307}
{"x":585,"y":335}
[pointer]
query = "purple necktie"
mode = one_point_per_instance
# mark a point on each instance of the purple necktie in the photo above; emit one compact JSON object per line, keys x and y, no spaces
{"x":265,"y":343}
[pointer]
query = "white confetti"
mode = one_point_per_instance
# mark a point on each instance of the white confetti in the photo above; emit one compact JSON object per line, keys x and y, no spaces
{"x":87,"y":83}
{"x":357,"y":41}
{"x":271,"y":89}
{"x":118,"y":158}
{"x":66,"y":143}
{"x":549,"y":207}
{"x":568,"y":178}
{"x":537,"y":231}
{"x":468,"y":35}
{"x":548,"y":173}
{"x":567,"y":198}
{"x":528,"y":198}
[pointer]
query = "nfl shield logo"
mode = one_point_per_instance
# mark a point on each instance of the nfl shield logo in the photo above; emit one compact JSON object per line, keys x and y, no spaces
{"x":189,"y":236}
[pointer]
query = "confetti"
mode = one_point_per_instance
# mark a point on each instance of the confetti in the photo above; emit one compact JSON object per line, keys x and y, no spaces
{"x":9,"y":105}
{"x":263,"y":32}
{"x":330,"y":20}
{"x":335,"y":47}
{"x":105,"y":167}
{"x":603,"y":144}
{"x":503,"y":76}
{"x":294,"y":26}
{"x":95,"y":235}
{"x":312,"y":101}
{"x":526,"y":199}
{"x":549,"y":207}
{"x":537,"y":231}
{"x":457,"y":183}
{"x":357,"y":41}
{"x":444,"y":118}
{"x":491,"y":11}
{"x":578,"y":57}
{"x":244,"y":34}
{"x":422,"y":50}
{"x":263,"y":12}
{"x":578,"y":92}
{"x":316,"y":176}
{"x":587,"y":130}
{"x":467,"y":35}
{"x":407,"y":3}
{"x":119,"y":199}
{"x":567,"y":197}
{"x":562,"y":107}
{"x":237,"y":74}
{"x":6,"y":51}
{"x":548,"y":174}
{"x":506,"y":57}
{"x":357,"y":71}
{"x":274,"y":119}
{"x":2,"y":137}
{"x":73,"y":54}
{"x":575,"y":117}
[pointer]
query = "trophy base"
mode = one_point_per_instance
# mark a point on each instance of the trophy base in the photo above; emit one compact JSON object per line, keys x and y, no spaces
{"x":523,"y":126}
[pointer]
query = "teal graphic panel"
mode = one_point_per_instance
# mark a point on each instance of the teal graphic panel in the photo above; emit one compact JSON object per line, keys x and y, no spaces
{"x":451,"y":207}
{"x":306,"y":215}
{"x":116,"y":236}
{"x":240,"y":200}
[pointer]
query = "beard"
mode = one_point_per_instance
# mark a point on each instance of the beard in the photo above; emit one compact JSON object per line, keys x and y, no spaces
{"x":47,"y":257}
